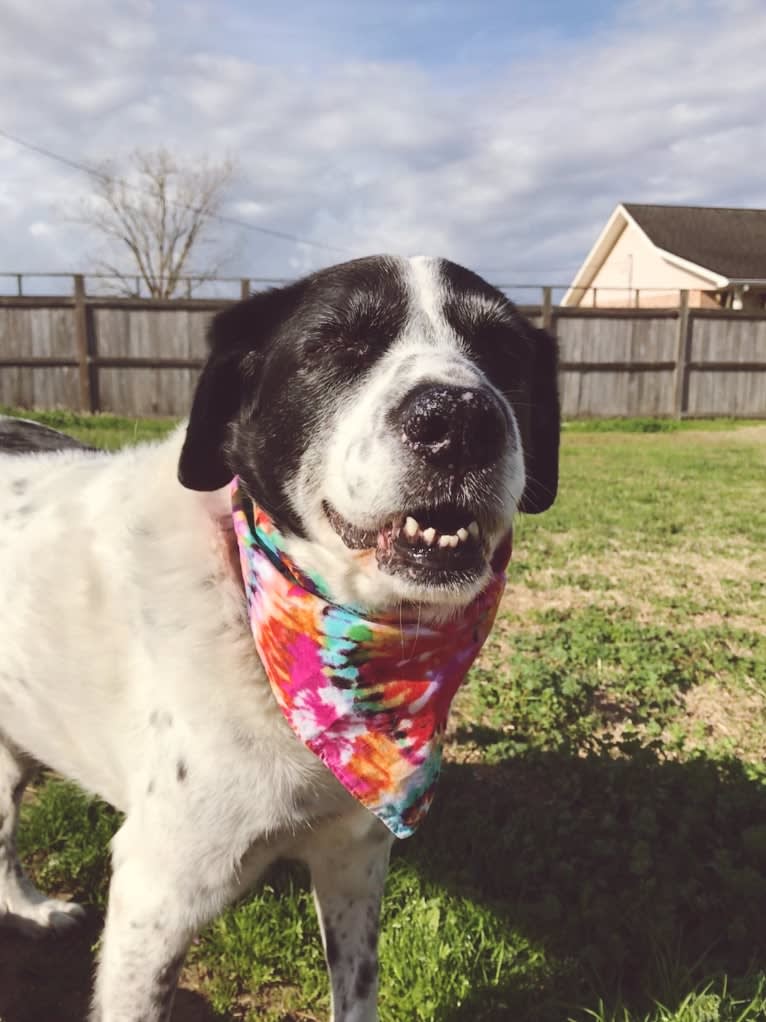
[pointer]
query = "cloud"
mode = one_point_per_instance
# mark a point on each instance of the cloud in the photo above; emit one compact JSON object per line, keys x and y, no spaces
{"x":352,"y":133}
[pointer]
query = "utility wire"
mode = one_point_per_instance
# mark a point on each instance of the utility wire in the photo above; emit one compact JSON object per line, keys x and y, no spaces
{"x":222,"y":218}
{"x":232,"y":221}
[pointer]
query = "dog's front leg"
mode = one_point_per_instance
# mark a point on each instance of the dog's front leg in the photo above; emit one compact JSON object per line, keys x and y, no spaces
{"x":159,"y":898}
{"x":348,"y":871}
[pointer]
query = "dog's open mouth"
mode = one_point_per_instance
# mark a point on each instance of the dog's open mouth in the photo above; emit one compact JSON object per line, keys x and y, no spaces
{"x":433,"y":546}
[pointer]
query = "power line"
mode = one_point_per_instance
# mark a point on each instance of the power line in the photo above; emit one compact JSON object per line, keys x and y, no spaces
{"x":233,"y":221}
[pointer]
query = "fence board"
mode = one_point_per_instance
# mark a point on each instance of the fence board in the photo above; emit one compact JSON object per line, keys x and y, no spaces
{"x":601,"y":339}
{"x":729,"y":340}
{"x":32,"y":333}
{"x":143,"y":357}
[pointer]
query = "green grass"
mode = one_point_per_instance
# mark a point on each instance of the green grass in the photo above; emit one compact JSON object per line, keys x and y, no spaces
{"x":597,"y":849}
{"x":653,"y":425}
{"x":108,"y":431}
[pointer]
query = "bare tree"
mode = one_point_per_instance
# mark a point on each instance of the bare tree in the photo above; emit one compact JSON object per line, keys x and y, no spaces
{"x":160,"y":211}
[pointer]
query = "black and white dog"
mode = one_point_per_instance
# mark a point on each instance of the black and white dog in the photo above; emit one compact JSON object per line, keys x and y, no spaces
{"x":391,"y":416}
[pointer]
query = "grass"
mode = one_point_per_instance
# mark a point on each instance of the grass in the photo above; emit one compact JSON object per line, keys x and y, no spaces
{"x":597,"y":850}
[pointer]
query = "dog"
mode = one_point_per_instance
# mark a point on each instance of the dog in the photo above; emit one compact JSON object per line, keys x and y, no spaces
{"x":389,"y":416}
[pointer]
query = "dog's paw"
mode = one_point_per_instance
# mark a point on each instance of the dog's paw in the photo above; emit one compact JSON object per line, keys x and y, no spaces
{"x":42,"y":918}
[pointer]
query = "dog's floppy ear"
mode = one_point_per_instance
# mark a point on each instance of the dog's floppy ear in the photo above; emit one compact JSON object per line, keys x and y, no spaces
{"x":541,"y":447}
{"x":238,"y":337}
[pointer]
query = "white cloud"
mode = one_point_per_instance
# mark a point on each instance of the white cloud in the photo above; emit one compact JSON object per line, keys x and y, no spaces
{"x":510,"y":167}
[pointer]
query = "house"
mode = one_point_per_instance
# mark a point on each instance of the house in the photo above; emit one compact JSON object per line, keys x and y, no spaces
{"x":646,"y":255}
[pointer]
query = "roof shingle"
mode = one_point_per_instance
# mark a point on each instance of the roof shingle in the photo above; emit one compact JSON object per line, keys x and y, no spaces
{"x":730,"y":242}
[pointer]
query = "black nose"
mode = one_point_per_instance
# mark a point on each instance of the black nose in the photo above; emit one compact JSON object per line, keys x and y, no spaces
{"x":458,"y":427}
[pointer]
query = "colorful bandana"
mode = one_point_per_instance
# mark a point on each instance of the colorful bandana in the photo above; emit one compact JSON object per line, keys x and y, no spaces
{"x":369,"y":696}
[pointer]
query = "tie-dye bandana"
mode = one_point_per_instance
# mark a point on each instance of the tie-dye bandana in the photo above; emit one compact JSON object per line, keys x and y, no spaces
{"x":369,"y":696}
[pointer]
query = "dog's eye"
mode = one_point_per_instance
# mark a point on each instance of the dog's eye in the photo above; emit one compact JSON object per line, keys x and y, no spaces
{"x":338,"y":344}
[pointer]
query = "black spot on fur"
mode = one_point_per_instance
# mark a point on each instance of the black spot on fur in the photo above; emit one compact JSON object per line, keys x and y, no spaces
{"x":140,"y":529}
{"x":331,"y":948}
{"x":354,"y":485}
{"x":365,"y":977}
{"x":150,"y":788}
{"x":160,"y":718}
{"x":181,"y":771}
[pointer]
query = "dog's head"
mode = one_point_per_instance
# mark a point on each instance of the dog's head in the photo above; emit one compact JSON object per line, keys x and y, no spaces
{"x":390,"y":415}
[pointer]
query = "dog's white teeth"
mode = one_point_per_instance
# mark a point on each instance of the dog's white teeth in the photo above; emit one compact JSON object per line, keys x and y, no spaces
{"x":415,"y":533}
{"x":411,"y":528}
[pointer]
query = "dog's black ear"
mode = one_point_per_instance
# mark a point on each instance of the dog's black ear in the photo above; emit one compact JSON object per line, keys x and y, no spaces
{"x":543,"y":426}
{"x":238,"y":338}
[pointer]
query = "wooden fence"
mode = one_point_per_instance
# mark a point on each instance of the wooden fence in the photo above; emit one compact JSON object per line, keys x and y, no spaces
{"x":138,"y":357}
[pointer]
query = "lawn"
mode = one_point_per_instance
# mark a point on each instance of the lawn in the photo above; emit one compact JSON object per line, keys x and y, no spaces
{"x":597,"y":850}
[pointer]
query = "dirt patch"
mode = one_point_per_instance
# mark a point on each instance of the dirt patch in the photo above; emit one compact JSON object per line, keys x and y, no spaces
{"x":638,"y":579}
{"x":734,"y":717}
{"x":754,"y":434}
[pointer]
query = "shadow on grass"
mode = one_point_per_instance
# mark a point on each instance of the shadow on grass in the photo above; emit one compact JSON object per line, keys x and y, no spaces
{"x":50,"y":979}
{"x":631,"y":878}
{"x":639,"y":877}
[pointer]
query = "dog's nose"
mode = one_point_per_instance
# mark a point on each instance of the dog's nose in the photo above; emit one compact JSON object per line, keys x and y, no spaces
{"x":460,"y":427}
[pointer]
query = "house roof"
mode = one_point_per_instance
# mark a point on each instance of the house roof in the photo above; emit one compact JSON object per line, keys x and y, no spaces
{"x":730,"y":242}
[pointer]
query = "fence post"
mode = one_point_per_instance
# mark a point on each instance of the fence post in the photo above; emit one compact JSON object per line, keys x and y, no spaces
{"x":81,"y":337}
{"x":548,"y":309}
{"x":683,"y":341}
{"x":19,"y":284}
{"x":244,"y":288}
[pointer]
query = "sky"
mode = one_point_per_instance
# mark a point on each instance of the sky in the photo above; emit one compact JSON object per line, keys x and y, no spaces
{"x":497,"y":133}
